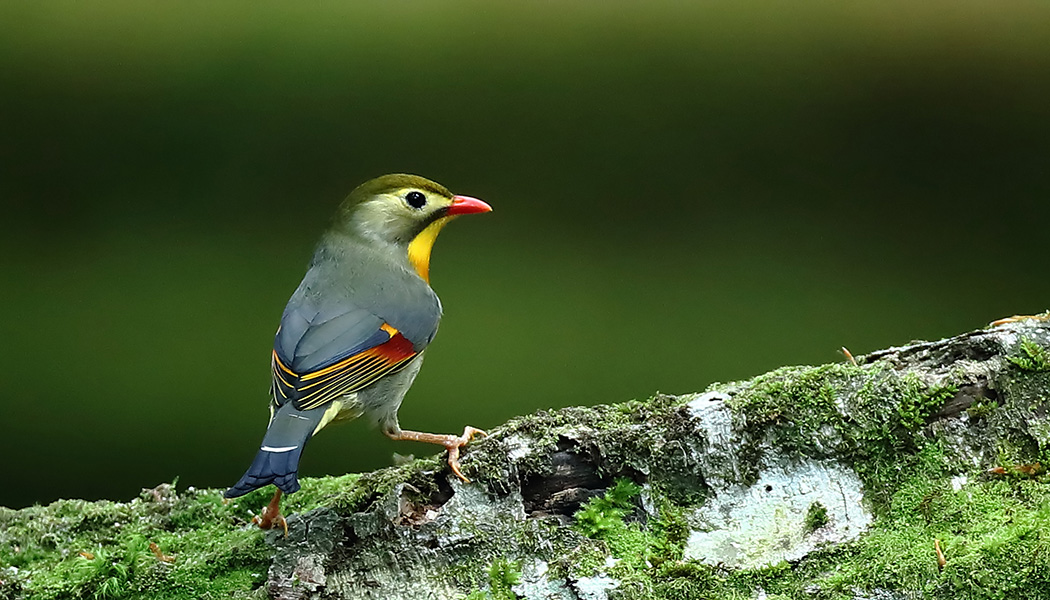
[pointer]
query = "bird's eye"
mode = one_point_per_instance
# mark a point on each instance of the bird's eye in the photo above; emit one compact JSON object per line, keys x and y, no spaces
{"x":416,"y":199}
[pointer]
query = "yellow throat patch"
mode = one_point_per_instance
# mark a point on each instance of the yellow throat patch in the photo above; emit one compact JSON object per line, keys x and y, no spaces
{"x":420,"y":247}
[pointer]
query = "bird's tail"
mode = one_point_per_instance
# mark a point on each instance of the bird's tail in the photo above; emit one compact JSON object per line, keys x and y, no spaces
{"x":277,"y":461}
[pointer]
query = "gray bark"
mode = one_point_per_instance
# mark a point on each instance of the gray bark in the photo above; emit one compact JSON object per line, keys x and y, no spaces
{"x":777,"y":472}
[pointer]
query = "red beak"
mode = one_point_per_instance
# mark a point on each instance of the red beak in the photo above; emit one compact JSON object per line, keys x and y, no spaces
{"x":465,"y":205}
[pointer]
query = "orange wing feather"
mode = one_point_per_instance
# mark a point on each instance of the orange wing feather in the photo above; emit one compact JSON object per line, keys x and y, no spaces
{"x":317,"y":388}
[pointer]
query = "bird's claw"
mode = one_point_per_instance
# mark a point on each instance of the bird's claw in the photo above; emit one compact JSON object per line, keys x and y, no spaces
{"x":265,"y":521}
{"x":455,"y":443}
{"x":271,"y":515}
{"x":470,"y":432}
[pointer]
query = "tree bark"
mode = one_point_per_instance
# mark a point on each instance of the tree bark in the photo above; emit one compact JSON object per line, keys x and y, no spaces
{"x":917,"y":472}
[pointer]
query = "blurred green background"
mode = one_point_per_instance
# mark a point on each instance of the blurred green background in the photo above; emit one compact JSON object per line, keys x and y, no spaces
{"x":683,"y":194}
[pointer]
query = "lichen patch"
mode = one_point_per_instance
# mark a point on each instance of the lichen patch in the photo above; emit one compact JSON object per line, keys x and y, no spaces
{"x":765,"y":523}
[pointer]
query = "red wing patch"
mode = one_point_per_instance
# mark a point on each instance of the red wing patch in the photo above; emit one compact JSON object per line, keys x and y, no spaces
{"x":314,"y":389}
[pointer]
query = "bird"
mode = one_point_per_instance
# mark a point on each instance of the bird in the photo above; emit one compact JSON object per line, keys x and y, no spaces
{"x":353,"y":334}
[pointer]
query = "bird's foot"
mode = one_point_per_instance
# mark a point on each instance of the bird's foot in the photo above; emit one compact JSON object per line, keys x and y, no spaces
{"x":1014,"y":319}
{"x":455,"y":444}
{"x":451,"y":442}
{"x":271,"y":516}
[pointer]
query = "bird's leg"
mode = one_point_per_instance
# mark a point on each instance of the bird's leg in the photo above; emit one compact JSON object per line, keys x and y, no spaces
{"x":1040,"y":317}
{"x":451,"y":442}
{"x":271,"y":515}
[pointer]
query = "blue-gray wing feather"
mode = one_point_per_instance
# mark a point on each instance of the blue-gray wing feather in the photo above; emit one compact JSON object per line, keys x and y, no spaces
{"x":339,"y":307}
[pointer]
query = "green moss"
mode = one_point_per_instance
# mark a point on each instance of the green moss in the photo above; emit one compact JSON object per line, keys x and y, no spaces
{"x":1032,"y":357}
{"x":981,"y":409}
{"x":602,"y":517}
{"x":318,"y":492}
{"x":502,"y":575}
{"x":648,"y":555}
{"x":816,"y":517}
{"x":994,"y":536}
{"x":585,"y":560}
{"x":870,"y":417}
{"x":918,"y":401}
{"x":787,"y":408}
{"x":75,"y":549}
{"x":796,"y":397}
{"x":354,"y":492}
{"x":106,"y":573}
{"x":670,"y":532}
{"x":677,"y":580}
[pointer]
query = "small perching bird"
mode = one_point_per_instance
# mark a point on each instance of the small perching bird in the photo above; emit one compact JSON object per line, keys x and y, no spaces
{"x":353,"y":334}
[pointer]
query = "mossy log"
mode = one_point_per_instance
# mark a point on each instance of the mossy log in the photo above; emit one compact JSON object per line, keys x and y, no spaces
{"x":915,"y":473}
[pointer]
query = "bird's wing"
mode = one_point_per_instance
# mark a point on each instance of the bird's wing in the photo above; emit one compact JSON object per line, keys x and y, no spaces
{"x":315,"y":334}
{"x":335,"y":357}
